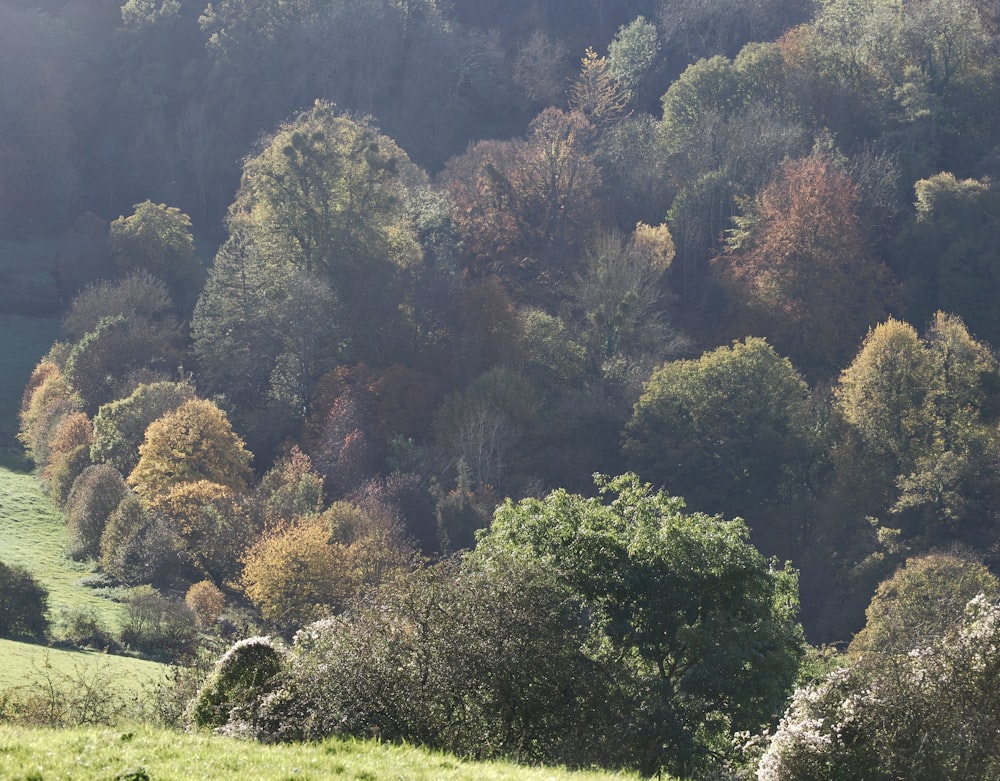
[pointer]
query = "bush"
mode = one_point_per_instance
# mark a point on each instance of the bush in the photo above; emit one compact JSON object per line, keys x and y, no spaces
{"x":137,"y":547}
{"x":928,"y":714}
{"x":95,"y":495}
{"x":239,"y":679}
{"x":82,"y":628}
{"x":23,"y":602}
{"x":206,"y":602}
{"x":158,"y":627}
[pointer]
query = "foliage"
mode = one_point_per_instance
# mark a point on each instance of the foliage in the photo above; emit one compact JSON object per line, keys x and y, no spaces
{"x":205,"y":601}
{"x":96,"y":493}
{"x":921,"y":603}
{"x":478,"y":658}
{"x":138,"y":296}
{"x":294,"y":575}
{"x":158,"y":627}
{"x":157,"y":239}
{"x":194,"y":442}
{"x":23,"y":602}
{"x":240,"y":675}
{"x":696,"y":629}
{"x":137,"y":547}
{"x":120,"y":426}
{"x":925,"y":409}
{"x":799,"y":265}
{"x":68,"y":454}
{"x":47,"y":398}
{"x":732,"y":432}
{"x":923,"y":714}
{"x":119,"y":354}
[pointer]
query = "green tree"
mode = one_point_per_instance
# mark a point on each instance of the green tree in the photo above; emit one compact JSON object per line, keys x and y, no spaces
{"x":695,"y":627}
{"x":947,"y":256}
{"x":157,"y":238}
{"x":731,"y":431}
{"x":95,"y":495}
{"x":921,"y":603}
{"x":23,"y":602}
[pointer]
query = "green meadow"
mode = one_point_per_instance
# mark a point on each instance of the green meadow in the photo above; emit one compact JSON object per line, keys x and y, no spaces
{"x":145,"y":753}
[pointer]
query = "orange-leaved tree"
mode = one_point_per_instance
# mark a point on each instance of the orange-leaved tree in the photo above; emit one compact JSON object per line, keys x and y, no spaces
{"x":800,"y":268}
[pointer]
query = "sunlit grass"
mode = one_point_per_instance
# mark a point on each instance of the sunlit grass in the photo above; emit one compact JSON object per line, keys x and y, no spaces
{"x":85,"y":754}
{"x":27,"y":665}
{"x":33,"y":534}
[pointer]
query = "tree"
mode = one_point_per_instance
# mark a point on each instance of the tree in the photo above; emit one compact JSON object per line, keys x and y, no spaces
{"x":925,"y":412}
{"x":477,"y":658}
{"x":696,"y":629}
{"x":68,"y":454}
{"x":47,"y":398}
{"x":330,"y":195}
{"x":732,"y":431}
{"x":23,"y":602}
{"x":120,"y":354}
{"x":95,"y":495}
{"x":137,"y":297}
{"x":921,"y":603}
{"x":619,"y":295}
{"x":194,"y":442}
{"x":263,"y":333}
{"x":293,"y":575}
{"x":946,"y":255}
{"x":800,"y":266}
{"x":120,"y":426}
{"x":138,"y":547}
{"x":157,"y":238}
{"x":209,"y":521}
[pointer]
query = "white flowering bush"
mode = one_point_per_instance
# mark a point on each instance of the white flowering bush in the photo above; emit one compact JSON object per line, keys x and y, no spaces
{"x":926,"y":714}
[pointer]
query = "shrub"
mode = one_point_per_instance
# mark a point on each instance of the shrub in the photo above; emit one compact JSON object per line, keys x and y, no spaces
{"x":239,"y":678}
{"x":82,"y":628}
{"x":23,"y":602}
{"x":158,"y":627}
{"x":139,"y":547}
{"x":95,"y":495}
{"x":206,"y":602}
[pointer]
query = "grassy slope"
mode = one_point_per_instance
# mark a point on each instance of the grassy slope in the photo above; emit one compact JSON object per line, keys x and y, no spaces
{"x":25,"y":664}
{"x":34,"y":535}
{"x":89,"y":754}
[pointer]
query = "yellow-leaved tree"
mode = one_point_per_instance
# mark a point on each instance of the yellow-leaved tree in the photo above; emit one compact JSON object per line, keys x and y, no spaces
{"x":194,"y":442}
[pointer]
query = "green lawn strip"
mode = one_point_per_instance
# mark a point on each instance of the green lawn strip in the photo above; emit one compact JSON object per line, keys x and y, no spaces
{"x":33,"y":534}
{"x":95,"y":754}
{"x":27,"y":665}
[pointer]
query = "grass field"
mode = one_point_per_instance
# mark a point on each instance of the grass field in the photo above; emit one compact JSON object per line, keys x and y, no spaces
{"x":25,"y":664}
{"x":144,"y":753}
{"x":34,"y":535}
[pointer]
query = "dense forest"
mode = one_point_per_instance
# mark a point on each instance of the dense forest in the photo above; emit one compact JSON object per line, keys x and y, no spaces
{"x":381,"y":310}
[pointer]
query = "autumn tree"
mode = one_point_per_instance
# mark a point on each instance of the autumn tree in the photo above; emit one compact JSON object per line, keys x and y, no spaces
{"x":925,"y":413}
{"x":138,"y":296}
{"x":293,"y":575}
{"x":799,"y":266}
{"x":68,"y":454}
{"x":522,"y":207}
{"x":46,"y":400}
{"x":120,"y":426}
{"x":194,"y":442}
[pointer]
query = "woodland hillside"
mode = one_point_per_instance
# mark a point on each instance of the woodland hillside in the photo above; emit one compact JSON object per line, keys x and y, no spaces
{"x":654,"y":339}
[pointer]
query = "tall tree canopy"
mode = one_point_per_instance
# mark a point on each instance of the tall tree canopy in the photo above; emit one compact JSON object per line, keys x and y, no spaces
{"x":695,"y":626}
